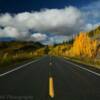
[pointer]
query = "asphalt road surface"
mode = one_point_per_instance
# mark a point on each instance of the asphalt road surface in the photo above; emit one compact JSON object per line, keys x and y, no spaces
{"x":30,"y":81}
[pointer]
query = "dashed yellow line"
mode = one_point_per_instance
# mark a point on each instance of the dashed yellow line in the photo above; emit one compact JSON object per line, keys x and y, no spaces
{"x":50,"y":63}
{"x":51,"y":87}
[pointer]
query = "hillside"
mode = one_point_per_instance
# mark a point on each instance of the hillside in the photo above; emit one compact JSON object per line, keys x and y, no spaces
{"x":85,"y":48}
{"x":95,"y":34}
{"x":17,"y":51}
{"x":17,"y":46}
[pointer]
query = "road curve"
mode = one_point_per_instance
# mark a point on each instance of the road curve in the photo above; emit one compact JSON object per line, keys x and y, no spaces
{"x":31,"y":82}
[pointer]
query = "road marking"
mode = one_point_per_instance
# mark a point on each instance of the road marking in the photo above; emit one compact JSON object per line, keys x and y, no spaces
{"x":15,"y":69}
{"x":50,"y":63}
{"x":51,"y":87}
{"x":95,"y":73}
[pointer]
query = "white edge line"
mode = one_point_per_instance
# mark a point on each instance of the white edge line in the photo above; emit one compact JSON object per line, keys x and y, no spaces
{"x":15,"y":69}
{"x":95,"y":73}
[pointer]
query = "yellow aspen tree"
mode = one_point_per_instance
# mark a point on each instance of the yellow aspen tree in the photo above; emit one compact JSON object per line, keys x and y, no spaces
{"x":84,"y":46}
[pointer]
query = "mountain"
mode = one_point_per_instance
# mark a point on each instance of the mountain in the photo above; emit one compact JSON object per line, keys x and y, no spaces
{"x":19,"y":46}
{"x":7,"y":39}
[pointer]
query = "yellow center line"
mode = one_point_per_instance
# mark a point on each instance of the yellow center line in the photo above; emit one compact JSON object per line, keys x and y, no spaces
{"x":51,"y":87}
{"x":50,"y":63}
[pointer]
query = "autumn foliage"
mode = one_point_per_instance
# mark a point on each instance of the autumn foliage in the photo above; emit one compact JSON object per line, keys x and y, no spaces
{"x":83,"y":46}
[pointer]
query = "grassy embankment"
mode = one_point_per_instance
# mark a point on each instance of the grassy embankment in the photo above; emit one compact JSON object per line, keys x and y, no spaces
{"x":90,"y":62}
{"x":15,"y":52}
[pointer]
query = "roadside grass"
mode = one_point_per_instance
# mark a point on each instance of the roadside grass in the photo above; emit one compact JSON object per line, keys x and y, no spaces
{"x":18,"y":51}
{"x":86,"y":61}
{"x":11,"y":60}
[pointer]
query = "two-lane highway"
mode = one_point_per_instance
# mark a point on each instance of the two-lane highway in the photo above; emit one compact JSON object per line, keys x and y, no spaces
{"x":70,"y":82}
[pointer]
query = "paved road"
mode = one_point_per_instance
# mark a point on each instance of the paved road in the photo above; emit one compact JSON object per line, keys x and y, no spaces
{"x":31,"y":81}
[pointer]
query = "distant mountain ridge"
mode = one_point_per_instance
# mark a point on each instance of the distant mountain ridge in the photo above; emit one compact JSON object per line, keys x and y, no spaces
{"x":19,"y":46}
{"x":6,"y":39}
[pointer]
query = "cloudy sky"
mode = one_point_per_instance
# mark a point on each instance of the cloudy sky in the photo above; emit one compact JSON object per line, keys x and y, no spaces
{"x":47,"y":21}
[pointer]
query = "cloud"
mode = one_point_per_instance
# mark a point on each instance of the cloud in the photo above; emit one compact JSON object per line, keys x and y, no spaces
{"x":13,"y":33}
{"x":91,"y":15}
{"x":89,"y":26}
{"x":38,"y":37}
{"x":48,"y":20}
{"x":92,"y":10}
{"x":58,"y":39}
{"x":9,"y":32}
{"x":66,"y":21}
